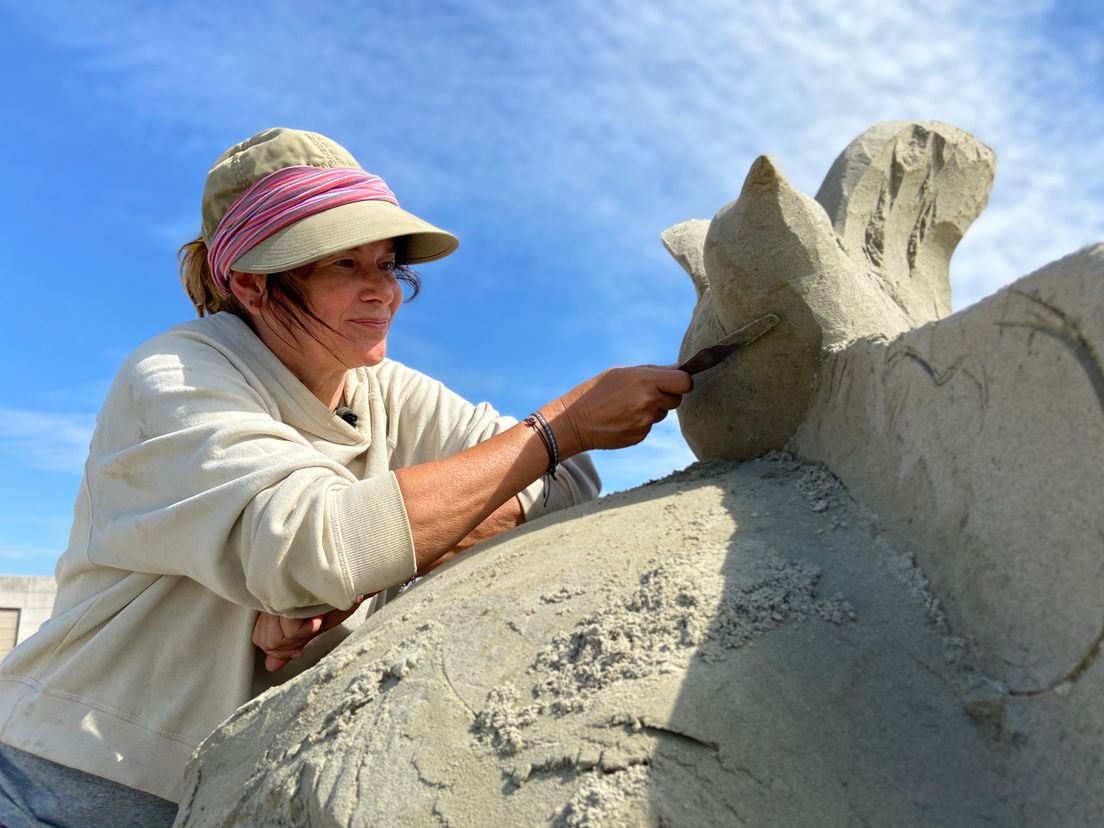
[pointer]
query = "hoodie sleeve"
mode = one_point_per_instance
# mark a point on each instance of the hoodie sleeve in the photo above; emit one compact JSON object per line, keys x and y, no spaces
{"x":191,"y":472}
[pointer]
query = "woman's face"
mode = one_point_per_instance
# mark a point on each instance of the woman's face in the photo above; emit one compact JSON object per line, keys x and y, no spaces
{"x":356,"y":294}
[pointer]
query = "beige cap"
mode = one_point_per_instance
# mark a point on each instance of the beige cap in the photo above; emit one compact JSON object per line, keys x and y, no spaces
{"x":319,"y":235}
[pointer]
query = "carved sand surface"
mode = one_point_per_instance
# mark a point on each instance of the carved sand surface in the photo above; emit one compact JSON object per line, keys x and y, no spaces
{"x":905,"y":633}
{"x":898,"y":201}
{"x":979,"y":439}
{"x":732,"y":645}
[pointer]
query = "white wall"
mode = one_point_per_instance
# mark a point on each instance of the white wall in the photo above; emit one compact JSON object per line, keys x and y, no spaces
{"x":33,"y":596}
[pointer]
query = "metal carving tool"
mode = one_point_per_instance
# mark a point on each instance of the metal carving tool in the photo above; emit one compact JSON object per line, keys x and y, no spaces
{"x":714,"y":355}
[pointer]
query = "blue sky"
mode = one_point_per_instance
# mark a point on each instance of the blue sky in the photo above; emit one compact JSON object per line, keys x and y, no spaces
{"x":557,"y":139}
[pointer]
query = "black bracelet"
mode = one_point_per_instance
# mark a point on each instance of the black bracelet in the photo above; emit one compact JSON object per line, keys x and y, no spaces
{"x":540,"y":425}
{"x":550,"y":443}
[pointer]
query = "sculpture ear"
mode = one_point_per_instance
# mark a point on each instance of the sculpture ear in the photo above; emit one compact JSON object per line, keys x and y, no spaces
{"x":686,"y":243}
{"x":901,"y":196}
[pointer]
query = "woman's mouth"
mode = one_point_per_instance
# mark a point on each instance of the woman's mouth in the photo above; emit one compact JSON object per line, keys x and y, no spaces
{"x":371,"y":322}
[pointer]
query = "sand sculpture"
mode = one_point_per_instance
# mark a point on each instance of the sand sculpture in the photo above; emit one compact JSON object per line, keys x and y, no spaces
{"x":868,"y":257}
{"x":758,"y":642}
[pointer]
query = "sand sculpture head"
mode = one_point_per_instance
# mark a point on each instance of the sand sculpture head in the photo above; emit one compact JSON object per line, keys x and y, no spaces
{"x":867,"y":258}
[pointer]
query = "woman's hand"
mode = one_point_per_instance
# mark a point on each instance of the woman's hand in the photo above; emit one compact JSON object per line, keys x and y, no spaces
{"x":283,"y":639}
{"x":617,"y":408}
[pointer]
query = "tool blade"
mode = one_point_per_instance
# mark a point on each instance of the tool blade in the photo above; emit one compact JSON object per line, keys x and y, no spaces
{"x":716,"y":354}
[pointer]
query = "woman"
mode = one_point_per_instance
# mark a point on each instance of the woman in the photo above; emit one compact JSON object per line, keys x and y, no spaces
{"x":256,"y":472}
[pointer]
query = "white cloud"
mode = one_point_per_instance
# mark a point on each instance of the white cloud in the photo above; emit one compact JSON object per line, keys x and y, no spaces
{"x":46,"y":440}
{"x":624,"y":111}
{"x":601,"y":124}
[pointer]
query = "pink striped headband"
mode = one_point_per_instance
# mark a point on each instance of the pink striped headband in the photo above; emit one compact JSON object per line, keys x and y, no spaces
{"x":279,"y":200}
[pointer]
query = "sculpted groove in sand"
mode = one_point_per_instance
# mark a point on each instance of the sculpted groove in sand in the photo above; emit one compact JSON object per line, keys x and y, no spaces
{"x":744,"y":643}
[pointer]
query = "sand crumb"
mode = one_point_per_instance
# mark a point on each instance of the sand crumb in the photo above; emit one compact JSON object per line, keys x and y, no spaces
{"x":605,"y":799}
{"x":677,"y":612}
{"x":500,"y":723}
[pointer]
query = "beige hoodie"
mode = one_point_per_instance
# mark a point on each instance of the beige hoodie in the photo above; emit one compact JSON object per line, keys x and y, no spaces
{"x":216,"y":486}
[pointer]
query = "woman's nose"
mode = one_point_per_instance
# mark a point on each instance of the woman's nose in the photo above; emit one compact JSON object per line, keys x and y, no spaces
{"x":376,"y":286}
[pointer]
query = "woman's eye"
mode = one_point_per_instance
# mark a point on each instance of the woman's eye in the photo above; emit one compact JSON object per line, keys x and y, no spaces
{"x":345,"y":263}
{"x":388,"y":266}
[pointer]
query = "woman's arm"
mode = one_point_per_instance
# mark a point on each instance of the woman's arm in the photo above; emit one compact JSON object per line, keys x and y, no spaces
{"x":508,"y":516}
{"x":454,"y":503}
{"x":284,"y":639}
{"x":446,"y":499}
{"x":427,"y":421}
{"x":193,"y":471}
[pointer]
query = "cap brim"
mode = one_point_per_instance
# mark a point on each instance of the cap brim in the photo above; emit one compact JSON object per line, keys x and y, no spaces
{"x":342,"y":228}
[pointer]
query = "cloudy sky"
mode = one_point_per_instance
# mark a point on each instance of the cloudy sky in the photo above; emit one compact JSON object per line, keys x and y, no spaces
{"x":556,"y":138}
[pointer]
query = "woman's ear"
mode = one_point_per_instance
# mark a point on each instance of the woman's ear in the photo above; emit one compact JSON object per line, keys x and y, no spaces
{"x":249,"y":289}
